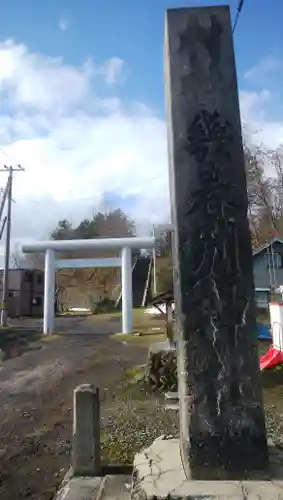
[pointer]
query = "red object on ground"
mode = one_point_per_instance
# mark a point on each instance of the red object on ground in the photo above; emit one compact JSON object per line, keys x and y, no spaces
{"x":271,"y":358}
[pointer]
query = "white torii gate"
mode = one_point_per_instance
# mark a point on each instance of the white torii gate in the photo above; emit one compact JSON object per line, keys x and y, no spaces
{"x":51,"y":247}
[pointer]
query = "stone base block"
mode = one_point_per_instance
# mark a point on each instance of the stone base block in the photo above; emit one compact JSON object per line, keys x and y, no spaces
{"x":159,"y":474}
{"x":108,"y":487}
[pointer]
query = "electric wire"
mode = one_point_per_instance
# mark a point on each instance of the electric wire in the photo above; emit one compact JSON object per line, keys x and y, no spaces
{"x":239,"y":10}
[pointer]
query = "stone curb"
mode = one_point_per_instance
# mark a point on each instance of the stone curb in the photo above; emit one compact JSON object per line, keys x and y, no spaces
{"x":109,"y":487}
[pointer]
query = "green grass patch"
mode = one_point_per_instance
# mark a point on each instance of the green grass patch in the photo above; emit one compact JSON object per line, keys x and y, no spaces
{"x":146,"y":329}
{"x":49,"y":338}
{"x":263,"y":316}
{"x":263,"y":347}
{"x":13,"y":335}
{"x":136,"y":374}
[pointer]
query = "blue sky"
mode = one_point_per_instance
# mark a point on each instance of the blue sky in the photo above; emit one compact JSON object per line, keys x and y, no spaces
{"x":134,"y":31}
{"x":83,"y":102}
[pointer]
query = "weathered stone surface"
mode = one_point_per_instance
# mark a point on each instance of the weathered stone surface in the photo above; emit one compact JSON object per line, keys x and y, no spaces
{"x":161,"y":369}
{"x":221,"y":412}
{"x":116,"y":488}
{"x":86,"y":431}
{"x":80,"y":488}
{"x":108,"y":487}
{"x":159,"y":474}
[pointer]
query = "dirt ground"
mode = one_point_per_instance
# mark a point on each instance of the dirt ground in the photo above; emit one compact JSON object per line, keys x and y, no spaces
{"x":36,"y":399}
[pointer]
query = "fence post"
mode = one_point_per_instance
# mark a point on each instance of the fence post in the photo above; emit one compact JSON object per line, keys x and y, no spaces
{"x":86,"y":431}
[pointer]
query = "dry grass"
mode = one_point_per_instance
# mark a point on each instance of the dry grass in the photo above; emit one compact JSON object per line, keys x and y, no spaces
{"x":101,"y":317}
{"x":132,"y":418}
{"x":18,"y":339}
{"x":146,"y":329}
{"x":49,"y":338}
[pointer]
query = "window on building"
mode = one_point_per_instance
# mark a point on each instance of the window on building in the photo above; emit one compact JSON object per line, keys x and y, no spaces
{"x":273,"y":260}
{"x":262,"y":298}
{"x":37,"y":301}
{"x":28,"y":276}
{"x":39,"y":279}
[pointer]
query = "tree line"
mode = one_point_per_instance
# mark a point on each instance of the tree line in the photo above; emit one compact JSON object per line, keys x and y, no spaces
{"x":93,"y":282}
{"x":264,"y":172}
{"x":98,"y":283}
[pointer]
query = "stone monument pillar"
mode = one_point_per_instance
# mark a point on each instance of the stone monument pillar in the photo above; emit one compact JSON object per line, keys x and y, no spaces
{"x":221,"y":412}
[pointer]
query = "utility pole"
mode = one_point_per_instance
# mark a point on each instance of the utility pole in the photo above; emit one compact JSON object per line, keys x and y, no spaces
{"x":160,"y":228}
{"x":3,"y":199}
{"x":154,"y":263}
{"x":3,"y":227}
{"x":5,"y":292}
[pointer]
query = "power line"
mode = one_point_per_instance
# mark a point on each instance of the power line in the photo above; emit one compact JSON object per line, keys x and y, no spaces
{"x":9,"y":156}
{"x":239,"y":10}
{"x":4,"y":152}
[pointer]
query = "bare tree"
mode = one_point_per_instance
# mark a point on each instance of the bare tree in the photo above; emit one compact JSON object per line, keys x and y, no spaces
{"x":265,"y":193}
{"x":17,"y":258}
{"x":34,"y":261}
{"x":275,"y":160}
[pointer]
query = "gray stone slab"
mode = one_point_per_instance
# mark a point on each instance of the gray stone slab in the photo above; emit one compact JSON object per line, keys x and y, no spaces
{"x":116,"y":488}
{"x":80,"y":488}
{"x":159,"y":475}
{"x":110,"y":487}
{"x":86,"y":431}
{"x":222,"y":425}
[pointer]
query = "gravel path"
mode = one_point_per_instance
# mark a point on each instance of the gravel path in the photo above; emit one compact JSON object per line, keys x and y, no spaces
{"x":36,"y":393}
{"x":36,"y":397}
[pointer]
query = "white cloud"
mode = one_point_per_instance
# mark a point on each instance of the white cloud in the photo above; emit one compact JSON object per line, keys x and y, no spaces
{"x":30,"y":80}
{"x":64,"y":24}
{"x":75,"y":145}
{"x":78,"y":146}
{"x":254,"y":103}
{"x":265,"y":68}
{"x":113,"y":69}
{"x":255,"y":116}
{"x":258,"y":106}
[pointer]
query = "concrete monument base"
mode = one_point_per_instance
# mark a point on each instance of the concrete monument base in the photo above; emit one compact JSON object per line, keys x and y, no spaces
{"x":159,"y":474}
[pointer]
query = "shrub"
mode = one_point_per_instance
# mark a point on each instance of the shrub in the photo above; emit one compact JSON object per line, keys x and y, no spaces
{"x":105,"y":305}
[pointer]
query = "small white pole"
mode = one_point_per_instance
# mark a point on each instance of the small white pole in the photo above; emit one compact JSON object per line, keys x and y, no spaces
{"x":49,"y":293}
{"x":127,"y":292}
